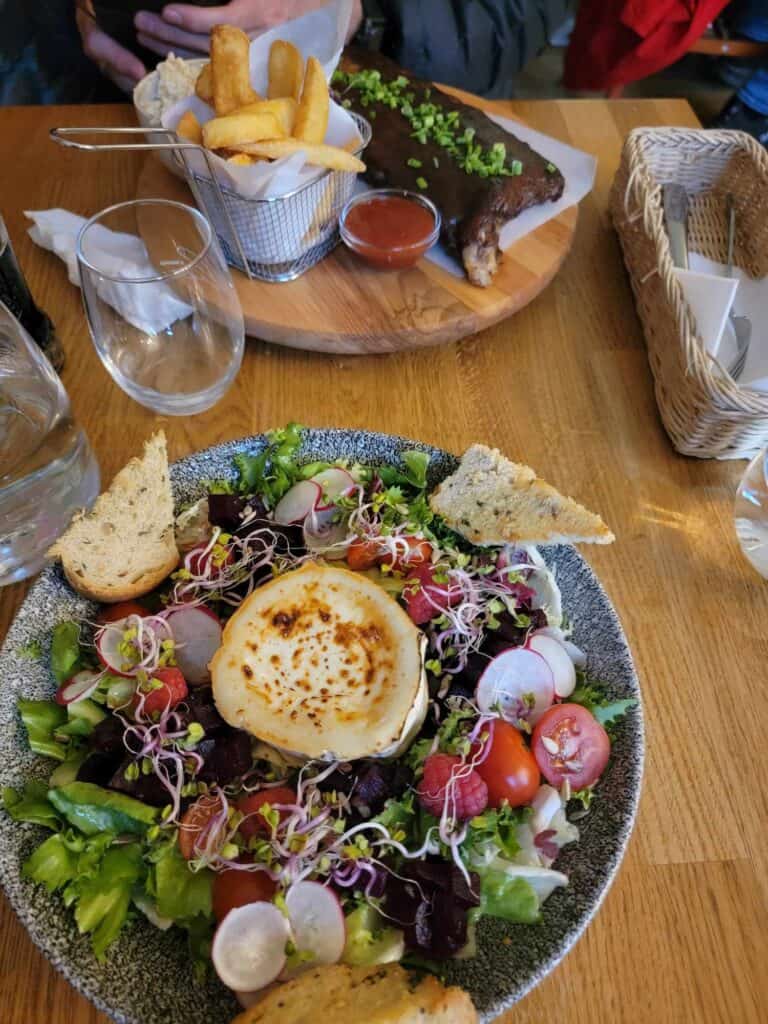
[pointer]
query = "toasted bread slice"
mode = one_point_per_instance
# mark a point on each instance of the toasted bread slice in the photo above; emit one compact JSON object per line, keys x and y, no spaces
{"x":125,"y":545}
{"x":490,"y":500}
{"x":385,"y":994}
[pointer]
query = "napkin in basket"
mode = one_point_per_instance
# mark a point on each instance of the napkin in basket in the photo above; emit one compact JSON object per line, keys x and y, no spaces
{"x":149,"y":308}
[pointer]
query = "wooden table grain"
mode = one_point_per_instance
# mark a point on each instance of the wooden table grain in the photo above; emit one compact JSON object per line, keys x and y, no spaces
{"x":565,"y":386}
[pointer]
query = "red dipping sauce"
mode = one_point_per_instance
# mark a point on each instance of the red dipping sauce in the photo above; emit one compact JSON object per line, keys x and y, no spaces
{"x":390,"y":228}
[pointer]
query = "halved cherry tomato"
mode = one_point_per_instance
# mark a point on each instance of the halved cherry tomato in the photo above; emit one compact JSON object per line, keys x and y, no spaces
{"x":161,"y":698}
{"x":256,"y":823}
{"x":195,"y":822}
{"x":419,"y":553}
{"x":569,"y":743}
{"x":113,"y":612}
{"x":233,"y":888}
{"x":363,"y":554}
{"x":202,"y":563}
{"x":509,"y":769}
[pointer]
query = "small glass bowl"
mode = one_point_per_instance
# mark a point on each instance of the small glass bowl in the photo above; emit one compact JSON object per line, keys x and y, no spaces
{"x":395,"y":257}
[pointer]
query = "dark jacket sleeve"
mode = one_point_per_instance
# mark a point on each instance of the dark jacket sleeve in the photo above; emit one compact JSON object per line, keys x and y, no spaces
{"x":478,"y":45}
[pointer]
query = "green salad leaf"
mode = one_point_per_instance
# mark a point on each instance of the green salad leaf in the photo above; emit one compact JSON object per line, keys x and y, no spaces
{"x":497,"y":828}
{"x":93,"y":809}
{"x":512,"y":899}
{"x":31,"y":804}
{"x":273,"y":470}
{"x":179,"y":892}
{"x":103,"y":901}
{"x":605,"y":709}
{"x":42,"y":718}
{"x":66,"y":657}
{"x":53,"y":864}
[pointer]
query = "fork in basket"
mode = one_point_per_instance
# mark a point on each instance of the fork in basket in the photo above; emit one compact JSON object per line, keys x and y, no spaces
{"x":742,"y":325}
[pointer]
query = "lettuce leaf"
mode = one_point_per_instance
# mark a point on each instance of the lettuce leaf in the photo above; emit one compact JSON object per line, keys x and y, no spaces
{"x":274,"y":470}
{"x":606,"y":710}
{"x":103,"y":901}
{"x":53,"y":864}
{"x":42,"y":718}
{"x":512,"y":899}
{"x":65,"y":650}
{"x":179,"y":893}
{"x":92,"y":809}
{"x":31,"y":804}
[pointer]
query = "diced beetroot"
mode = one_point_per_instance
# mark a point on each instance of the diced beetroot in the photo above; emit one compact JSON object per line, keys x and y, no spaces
{"x":425,"y":599}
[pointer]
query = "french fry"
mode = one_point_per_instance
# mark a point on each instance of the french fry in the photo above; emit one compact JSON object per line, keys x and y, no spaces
{"x":204,"y":84}
{"x":230,"y":48}
{"x":241,"y":159}
{"x":189,"y":128}
{"x":286,"y":71}
{"x":231,"y":132}
{"x":316,"y":154}
{"x":312,"y":114}
{"x":352,"y":143}
{"x":283,"y":109}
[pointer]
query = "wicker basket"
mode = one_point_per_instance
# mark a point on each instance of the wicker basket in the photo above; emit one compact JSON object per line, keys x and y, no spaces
{"x":705,"y":412}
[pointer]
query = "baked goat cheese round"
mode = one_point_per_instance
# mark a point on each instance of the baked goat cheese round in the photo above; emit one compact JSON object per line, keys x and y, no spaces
{"x":321,"y":662}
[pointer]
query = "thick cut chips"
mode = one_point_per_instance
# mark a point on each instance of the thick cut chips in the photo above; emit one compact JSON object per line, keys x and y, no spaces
{"x":204,"y":84}
{"x":286,"y":71}
{"x":316,"y":154}
{"x":312,"y":115}
{"x":283,"y":109}
{"x":231,"y":132}
{"x":230,"y":63}
{"x":189,"y":128}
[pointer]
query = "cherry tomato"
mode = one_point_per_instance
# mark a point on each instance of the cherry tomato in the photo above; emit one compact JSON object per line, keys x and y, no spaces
{"x":194,"y":823}
{"x":202,"y":563}
{"x":172,"y":691}
{"x":121,"y":610}
{"x":363,"y":554}
{"x":256,"y":823}
{"x":509,"y":769}
{"x":419,"y":553}
{"x":569,"y":743}
{"x":233,"y":888}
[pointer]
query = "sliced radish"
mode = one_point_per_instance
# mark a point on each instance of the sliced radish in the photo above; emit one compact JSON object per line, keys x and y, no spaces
{"x":248,"y":948}
{"x":296,"y":504}
{"x":317,"y":922}
{"x":78,"y":687}
{"x":545,"y":806}
{"x":333,"y":482}
{"x":331,"y":542}
{"x":197,"y":636}
{"x":559,"y":661}
{"x":120,"y":692}
{"x":577,"y":656}
{"x":518,"y":682}
{"x":108,"y":640}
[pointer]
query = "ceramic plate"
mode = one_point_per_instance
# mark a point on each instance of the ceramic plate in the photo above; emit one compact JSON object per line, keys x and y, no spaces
{"x":146,"y":978}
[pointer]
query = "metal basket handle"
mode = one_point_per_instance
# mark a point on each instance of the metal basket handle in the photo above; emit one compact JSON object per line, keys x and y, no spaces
{"x":67,"y":137}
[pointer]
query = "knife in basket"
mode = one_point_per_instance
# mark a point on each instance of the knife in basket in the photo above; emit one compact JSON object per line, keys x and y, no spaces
{"x":676,"y":216}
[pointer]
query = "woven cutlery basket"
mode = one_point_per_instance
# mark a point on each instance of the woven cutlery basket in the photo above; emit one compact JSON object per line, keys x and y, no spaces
{"x":705,"y":412}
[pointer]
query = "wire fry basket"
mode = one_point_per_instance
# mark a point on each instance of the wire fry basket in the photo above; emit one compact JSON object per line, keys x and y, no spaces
{"x":270,"y":239}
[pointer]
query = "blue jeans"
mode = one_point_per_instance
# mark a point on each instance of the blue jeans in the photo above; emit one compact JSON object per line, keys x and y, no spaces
{"x":751,"y":20}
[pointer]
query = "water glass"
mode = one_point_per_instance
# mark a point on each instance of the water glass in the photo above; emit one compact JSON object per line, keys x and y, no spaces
{"x":751,"y":512}
{"x":161,"y":305}
{"x":47,"y":468}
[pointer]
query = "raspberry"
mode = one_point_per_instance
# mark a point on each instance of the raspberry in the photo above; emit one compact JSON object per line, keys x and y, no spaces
{"x":468,"y":793}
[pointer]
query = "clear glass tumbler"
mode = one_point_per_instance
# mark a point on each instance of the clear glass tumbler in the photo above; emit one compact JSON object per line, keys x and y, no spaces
{"x":47,"y":468}
{"x":751,"y":512}
{"x":161,"y":305}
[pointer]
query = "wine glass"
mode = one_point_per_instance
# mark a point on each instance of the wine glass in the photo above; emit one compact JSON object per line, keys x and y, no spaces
{"x":161,"y":305}
{"x":751,"y":512}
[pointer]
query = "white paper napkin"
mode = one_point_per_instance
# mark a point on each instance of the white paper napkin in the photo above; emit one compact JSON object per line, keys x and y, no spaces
{"x":578,"y":169}
{"x":150,"y":308}
{"x":751,"y":300}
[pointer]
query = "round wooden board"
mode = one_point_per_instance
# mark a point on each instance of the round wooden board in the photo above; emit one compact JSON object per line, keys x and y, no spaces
{"x":344,"y":306}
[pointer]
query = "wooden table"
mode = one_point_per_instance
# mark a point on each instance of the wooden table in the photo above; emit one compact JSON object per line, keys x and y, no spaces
{"x":564,"y":386}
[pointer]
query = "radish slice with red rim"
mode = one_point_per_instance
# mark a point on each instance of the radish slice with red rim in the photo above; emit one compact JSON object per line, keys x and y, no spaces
{"x":197,"y":636}
{"x":296,"y":504}
{"x":518,"y":684}
{"x":78,"y":687}
{"x":317,"y":922}
{"x":108,"y":640}
{"x":248,"y":948}
{"x":559,"y":661}
{"x":333,"y":482}
{"x":577,"y":656}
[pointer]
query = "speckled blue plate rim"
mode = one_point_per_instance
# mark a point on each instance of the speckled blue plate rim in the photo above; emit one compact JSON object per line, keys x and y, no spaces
{"x":512,"y":959}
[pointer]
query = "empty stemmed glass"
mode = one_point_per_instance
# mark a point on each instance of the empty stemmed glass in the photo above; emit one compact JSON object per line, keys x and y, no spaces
{"x":161,"y":305}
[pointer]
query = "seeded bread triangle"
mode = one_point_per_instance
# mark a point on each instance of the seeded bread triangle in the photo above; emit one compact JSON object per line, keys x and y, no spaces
{"x":491,"y":500}
{"x":386,"y":994}
{"x":125,"y":546}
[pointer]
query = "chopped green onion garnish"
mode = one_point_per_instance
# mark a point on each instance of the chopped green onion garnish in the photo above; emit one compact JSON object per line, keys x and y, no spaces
{"x":421,"y":182}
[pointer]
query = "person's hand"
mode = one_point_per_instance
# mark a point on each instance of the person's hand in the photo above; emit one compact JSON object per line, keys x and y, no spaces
{"x":185,"y":29}
{"x":118,"y":64}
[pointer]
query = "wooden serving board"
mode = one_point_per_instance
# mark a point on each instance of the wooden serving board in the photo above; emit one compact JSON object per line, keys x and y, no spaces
{"x":344,"y":306}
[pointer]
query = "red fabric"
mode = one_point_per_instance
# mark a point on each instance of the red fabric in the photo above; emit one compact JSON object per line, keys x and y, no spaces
{"x":620,"y":41}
